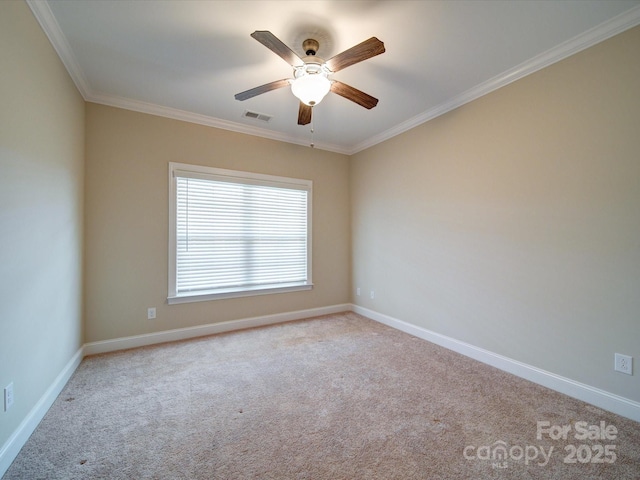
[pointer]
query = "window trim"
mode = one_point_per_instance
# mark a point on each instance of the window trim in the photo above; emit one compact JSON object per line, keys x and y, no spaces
{"x":200,"y":171}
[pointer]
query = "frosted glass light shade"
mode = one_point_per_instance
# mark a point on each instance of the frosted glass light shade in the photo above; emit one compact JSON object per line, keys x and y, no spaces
{"x":311,"y":88}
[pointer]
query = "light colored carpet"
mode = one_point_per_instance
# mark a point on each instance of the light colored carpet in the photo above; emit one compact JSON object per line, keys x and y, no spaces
{"x":335,"y":397}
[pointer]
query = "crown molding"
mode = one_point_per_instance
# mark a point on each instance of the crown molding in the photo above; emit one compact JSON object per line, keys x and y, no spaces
{"x":599,"y":33}
{"x":51,"y":28}
{"x":183,"y":115}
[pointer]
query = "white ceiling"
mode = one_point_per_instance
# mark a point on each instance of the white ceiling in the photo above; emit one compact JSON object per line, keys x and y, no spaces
{"x":186,"y":59}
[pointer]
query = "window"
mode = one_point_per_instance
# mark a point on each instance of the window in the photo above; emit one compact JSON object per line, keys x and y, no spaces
{"x":236,"y":233}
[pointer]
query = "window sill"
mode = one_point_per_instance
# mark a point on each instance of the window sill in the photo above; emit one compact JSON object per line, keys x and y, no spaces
{"x":219,"y":295}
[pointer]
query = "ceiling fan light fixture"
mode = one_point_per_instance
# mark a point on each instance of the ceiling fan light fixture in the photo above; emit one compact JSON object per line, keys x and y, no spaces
{"x":311,"y":81}
{"x":311,"y":88}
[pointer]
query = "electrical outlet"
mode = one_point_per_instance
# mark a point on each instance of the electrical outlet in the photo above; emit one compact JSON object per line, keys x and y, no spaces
{"x":8,"y":396}
{"x":372,"y":294}
{"x":358,"y":291}
{"x":151,"y":313}
{"x":623,"y":364}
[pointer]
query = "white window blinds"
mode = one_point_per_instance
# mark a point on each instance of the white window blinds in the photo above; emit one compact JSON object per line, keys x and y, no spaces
{"x":239,"y":233}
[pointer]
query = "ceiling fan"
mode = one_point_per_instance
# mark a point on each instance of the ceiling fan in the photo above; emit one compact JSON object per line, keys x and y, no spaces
{"x":311,"y":82}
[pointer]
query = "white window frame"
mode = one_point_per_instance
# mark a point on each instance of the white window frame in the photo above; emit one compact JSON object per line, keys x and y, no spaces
{"x":233,"y":176}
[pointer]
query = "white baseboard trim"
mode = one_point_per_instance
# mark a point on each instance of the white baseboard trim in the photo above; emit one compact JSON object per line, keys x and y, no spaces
{"x":94,"y":348}
{"x":16,"y":441}
{"x":595,"y":396}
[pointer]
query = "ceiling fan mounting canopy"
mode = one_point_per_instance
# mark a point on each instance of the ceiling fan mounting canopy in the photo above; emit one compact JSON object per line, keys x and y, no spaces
{"x":310,"y":46}
{"x":311,"y":82}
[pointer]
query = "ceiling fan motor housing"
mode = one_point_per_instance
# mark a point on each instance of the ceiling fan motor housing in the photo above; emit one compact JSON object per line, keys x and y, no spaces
{"x":312,"y":66}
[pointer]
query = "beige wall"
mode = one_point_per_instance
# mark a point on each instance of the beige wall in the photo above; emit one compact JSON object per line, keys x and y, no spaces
{"x":513,"y":222}
{"x":41,"y":191}
{"x":127,"y":220}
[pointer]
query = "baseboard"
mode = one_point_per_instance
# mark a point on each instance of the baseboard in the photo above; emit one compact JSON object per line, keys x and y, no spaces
{"x":586,"y":393}
{"x":16,"y":441}
{"x":209,"y":329}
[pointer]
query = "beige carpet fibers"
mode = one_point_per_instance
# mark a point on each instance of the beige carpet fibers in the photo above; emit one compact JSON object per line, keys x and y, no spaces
{"x":335,"y":397}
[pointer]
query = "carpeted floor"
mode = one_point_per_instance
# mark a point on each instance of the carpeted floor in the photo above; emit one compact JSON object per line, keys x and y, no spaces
{"x":334,"y":397}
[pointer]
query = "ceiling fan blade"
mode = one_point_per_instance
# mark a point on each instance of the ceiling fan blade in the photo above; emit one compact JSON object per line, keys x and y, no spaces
{"x":362,"y":51}
{"x":267,"y":87}
{"x":304,"y":114}
{"x":274,"y":44}
{"x":353,"y":94}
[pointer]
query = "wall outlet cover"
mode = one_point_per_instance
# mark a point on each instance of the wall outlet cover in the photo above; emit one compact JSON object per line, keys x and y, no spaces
{"x":623,"y":364}
{"x":8,"y":396}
